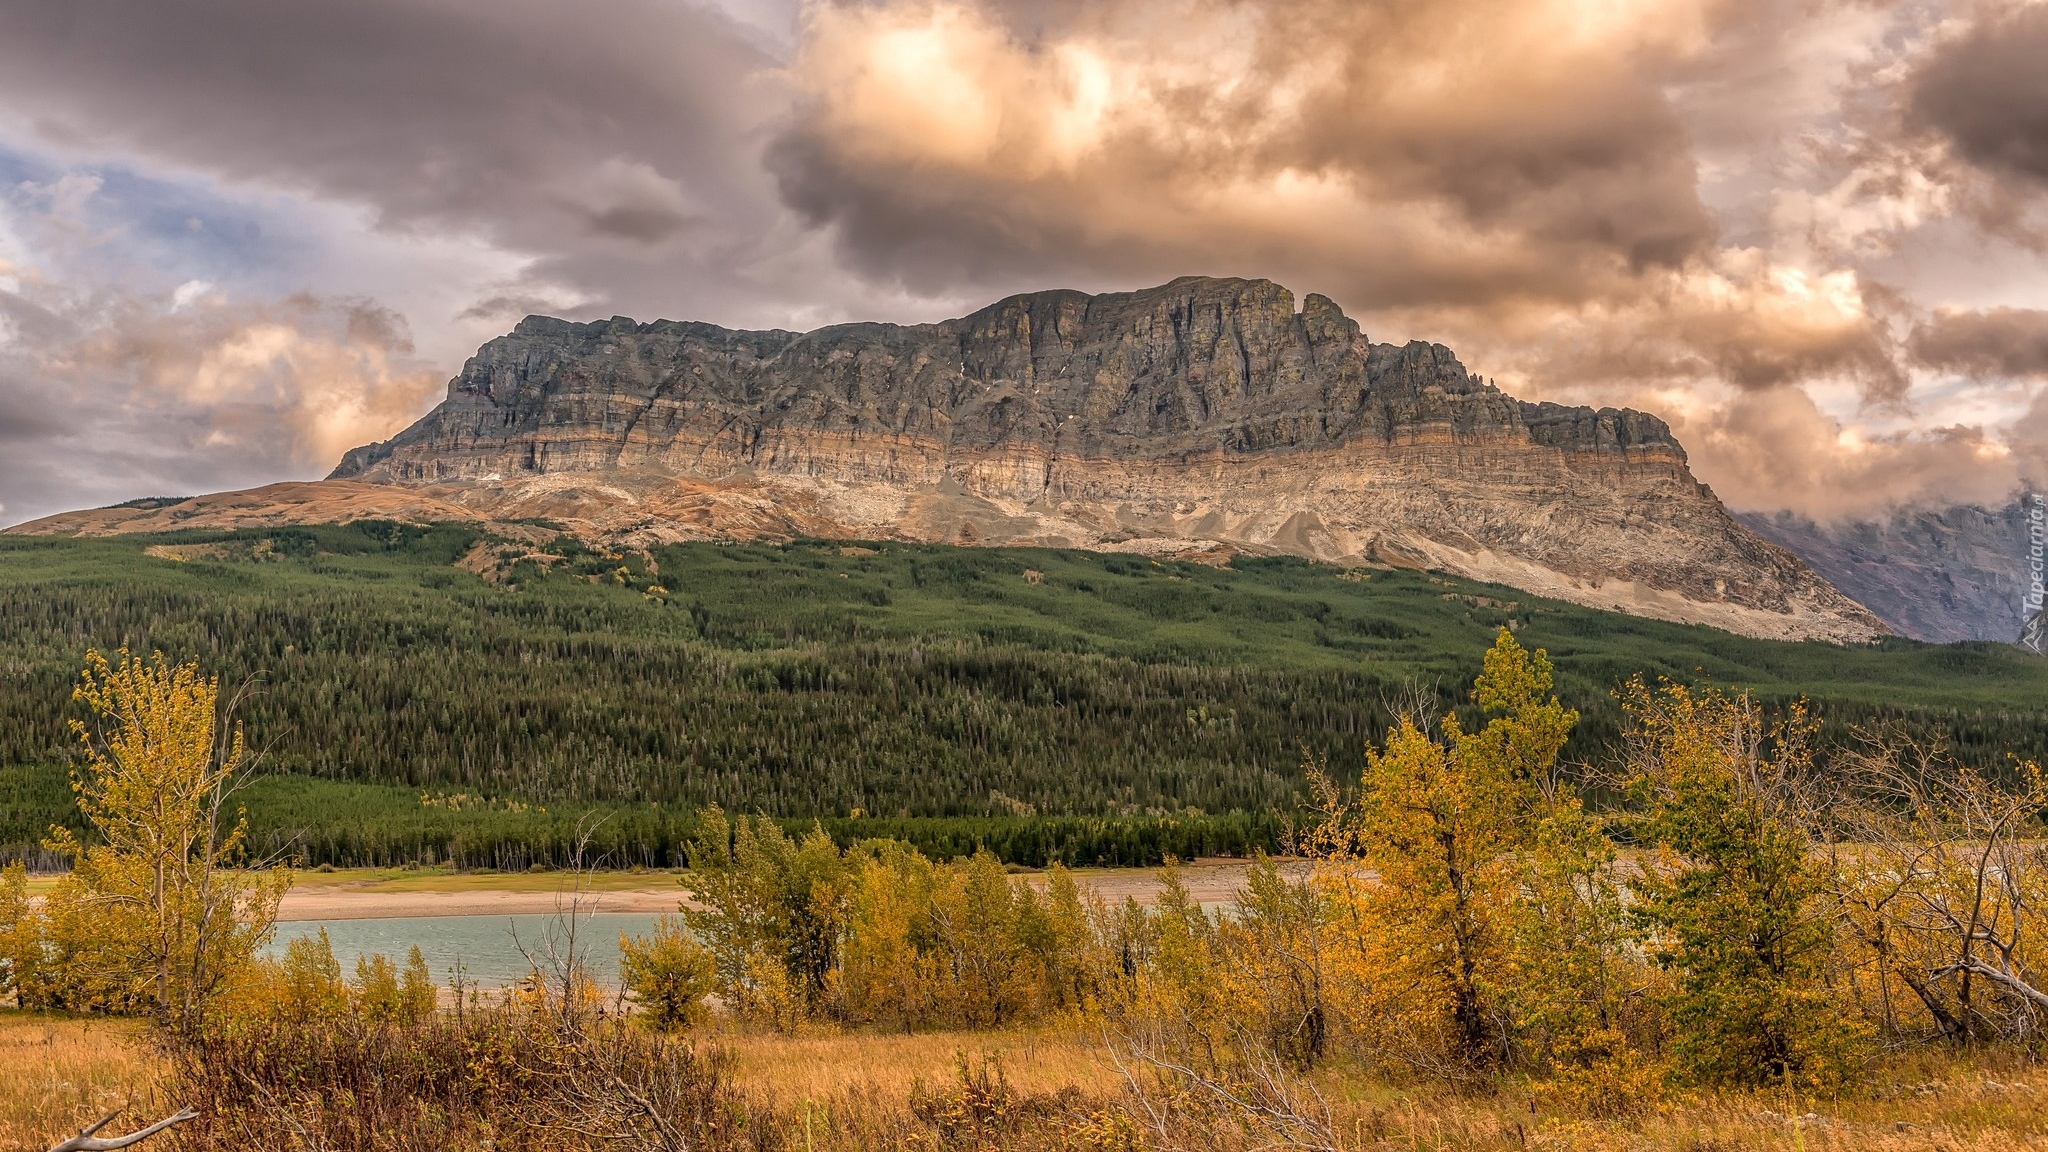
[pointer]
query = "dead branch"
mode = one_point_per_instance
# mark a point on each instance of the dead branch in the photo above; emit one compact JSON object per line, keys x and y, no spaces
{"x":86,"y":1141}
{"x":1282,"y":1110}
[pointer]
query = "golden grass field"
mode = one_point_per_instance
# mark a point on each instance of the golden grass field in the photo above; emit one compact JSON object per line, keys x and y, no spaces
{"x":56,"y":1074}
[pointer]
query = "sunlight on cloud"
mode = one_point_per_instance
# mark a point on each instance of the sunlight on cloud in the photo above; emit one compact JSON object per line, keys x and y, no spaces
{"x":294,"y":384}
{"x":1763,"y":446}
{"x":1727,"y":212}
{"x":1515,"y":179}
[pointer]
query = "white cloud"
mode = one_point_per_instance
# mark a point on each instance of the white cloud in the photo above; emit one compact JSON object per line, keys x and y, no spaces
{"x":188,"y":292}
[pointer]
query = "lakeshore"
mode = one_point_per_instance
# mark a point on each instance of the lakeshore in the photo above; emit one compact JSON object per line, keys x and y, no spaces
{"x":378,"y":894}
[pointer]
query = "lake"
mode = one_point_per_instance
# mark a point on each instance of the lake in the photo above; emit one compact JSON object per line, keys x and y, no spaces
{"x":492,"y":950}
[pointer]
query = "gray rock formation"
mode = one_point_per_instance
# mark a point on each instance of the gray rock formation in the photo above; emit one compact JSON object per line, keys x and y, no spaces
{"x":1198,"y":367}
{"x":1199,"y":418}
{"x":1947,"y":574}
{"x":1199,"y":413}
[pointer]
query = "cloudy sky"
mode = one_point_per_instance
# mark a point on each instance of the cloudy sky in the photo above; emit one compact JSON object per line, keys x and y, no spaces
{"x":239,"y":237}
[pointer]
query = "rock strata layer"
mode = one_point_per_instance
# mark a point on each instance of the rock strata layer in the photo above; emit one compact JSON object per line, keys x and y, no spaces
{"x":1204,"y":416}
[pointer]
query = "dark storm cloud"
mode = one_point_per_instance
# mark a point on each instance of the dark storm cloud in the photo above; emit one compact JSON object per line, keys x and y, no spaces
{"x":512,"y":306}
{"x":589,"y":134}
{"x":1987,"y":92}
{"x":2010,"y":343}
{"x":370,"y":325}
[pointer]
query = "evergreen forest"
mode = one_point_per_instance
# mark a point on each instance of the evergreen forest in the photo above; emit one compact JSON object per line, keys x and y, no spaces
{"x":1047,"y":704}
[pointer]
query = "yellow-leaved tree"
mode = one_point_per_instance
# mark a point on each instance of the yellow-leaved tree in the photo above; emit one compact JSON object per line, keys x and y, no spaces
{"x":1442,"y":871}
{"x":161,"y":908}
{"x":668,"y":974}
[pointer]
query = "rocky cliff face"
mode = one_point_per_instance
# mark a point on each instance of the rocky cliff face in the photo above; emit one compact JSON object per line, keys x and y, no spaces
{"x":1943,"y":574}
{"x":1202,"y":416}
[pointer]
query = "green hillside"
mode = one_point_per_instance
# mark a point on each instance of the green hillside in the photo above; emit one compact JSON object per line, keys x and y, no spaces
{"x":898,"y":682}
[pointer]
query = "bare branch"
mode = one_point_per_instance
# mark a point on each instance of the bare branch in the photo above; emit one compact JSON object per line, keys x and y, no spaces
{"x":86,"y":1141}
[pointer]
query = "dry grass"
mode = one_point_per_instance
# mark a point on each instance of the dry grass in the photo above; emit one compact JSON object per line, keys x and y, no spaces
{"x":57,"y":1074}
{"x":1991,"y":1102}
{"x":796,"y":1068}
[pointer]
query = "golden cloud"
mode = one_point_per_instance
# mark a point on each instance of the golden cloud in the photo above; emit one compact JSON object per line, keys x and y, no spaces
{"x":293,"y":383}
{"x":1414,"y":150}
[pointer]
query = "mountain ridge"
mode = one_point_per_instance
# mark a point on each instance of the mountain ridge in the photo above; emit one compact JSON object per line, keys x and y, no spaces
{"x":1204,"y":415}
{"x":1942,"y":574}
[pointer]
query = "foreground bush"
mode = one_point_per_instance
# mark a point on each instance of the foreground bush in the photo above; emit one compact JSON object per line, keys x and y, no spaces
{"x":668,"y":974}
{"x":801,"y":932}
{"x":505,"y":1076}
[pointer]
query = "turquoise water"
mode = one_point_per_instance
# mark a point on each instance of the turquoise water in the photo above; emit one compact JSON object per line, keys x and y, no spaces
{"x":492,"y":951}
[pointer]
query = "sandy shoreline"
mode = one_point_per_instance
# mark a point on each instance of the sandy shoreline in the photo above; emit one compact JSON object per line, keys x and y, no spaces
{"x":339,"y":897}
{"x":340,"y":902}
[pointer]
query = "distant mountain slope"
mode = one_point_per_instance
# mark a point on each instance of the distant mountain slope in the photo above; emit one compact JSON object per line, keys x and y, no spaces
{"x":1957,"y":573}
{"x":1203,"y":415}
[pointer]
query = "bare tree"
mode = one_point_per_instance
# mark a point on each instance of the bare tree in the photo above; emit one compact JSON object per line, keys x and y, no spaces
{"x":1419,"y":700}
{"x":1942,"y":881}
{"x":606,"y":1080}
{"x":559,"y":957}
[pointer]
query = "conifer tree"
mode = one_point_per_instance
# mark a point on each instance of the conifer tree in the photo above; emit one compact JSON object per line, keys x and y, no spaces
{"x":1737,"y":901}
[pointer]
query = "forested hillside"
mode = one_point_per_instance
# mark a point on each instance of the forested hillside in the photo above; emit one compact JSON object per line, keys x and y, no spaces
{"x":885,"y":682}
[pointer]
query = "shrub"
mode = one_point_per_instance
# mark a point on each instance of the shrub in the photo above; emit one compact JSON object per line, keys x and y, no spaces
{"x":668,"y":974}
{"x":514,"y":1074}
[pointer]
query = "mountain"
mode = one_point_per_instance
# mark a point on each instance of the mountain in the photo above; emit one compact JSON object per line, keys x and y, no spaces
{"x":1203,"y":417}
{"x":1945,"y":574}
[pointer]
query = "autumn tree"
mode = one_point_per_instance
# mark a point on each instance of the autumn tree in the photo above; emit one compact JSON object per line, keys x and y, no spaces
{"x":21,"y":940}
{"x":160,"y":908}
{"x":773,"y":912}
{"x":668,"y":974}
{"x":1442,"y":827}
{"x":1738,"y":901}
